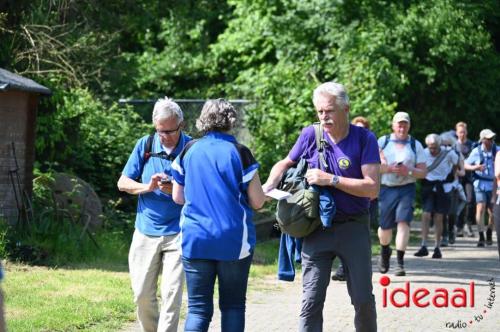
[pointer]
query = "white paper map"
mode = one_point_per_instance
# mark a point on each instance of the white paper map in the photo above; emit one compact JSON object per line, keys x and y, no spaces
{"x":278,"y":194}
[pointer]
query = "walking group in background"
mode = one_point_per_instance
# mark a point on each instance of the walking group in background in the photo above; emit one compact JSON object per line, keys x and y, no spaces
{"x":196,"y":201}
{"x":455,"y":173}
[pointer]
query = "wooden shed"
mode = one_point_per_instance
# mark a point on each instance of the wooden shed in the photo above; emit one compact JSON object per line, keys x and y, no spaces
{"x":19,"y":98}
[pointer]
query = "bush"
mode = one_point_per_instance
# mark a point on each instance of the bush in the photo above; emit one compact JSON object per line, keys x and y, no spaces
{"x":84,"y":137}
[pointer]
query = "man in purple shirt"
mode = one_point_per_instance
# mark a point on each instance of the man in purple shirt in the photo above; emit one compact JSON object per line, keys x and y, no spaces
{"x":352,"y":176}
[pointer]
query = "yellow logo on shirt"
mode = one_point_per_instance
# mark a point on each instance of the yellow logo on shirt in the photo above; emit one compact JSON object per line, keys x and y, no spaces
{"x":344,"y":163}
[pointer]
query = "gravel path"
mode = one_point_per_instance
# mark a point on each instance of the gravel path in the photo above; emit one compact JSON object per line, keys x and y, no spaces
{"x":274,"y":305}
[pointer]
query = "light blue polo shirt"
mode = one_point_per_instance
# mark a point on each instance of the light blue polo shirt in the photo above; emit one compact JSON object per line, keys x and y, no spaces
{"x":489,"y":172}
{"x":216,"y":220}
{"x":157,"y":213}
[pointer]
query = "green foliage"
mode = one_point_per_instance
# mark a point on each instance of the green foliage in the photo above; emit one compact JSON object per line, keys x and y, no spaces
{"x":285,"y":53}
{"x":172,"y":59}
{"x":87,"y":138}
{"x":434,"y":60}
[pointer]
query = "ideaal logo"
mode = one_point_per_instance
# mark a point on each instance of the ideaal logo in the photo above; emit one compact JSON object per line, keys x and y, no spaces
{"x":344,"y":163}
{"x":438,"y":298}
{"x":423,"y":297}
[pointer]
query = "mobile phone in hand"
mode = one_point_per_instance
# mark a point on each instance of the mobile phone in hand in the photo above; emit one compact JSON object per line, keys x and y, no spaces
{"x":165,"y":180}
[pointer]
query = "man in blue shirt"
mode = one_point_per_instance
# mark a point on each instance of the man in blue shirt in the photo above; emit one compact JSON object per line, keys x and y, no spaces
{"x":154,"y":245}
{"x":481,"y":162}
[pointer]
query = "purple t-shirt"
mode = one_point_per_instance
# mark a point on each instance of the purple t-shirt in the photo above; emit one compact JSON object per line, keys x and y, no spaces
{"x":344,"y":159}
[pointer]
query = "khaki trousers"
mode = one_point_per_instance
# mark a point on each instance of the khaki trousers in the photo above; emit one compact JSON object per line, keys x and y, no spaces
{"x":148,"y":257}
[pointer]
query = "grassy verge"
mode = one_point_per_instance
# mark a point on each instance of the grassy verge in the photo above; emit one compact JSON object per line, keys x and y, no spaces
{"x":47,"y":299}
{"x":95,"y":294}
{"x":92,"y":295}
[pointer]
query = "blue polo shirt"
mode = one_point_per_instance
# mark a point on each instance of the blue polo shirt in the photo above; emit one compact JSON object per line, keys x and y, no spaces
{"x":216,"y":221}
{"x":157,"y":213}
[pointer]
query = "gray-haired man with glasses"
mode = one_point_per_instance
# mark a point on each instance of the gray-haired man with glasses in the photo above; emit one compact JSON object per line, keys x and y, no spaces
{"x":153,"y":249}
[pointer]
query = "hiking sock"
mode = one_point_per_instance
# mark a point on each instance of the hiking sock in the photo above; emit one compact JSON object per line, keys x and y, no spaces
{"x":385,"y":250}
{"x":401,"y":255}
{"x":481,"y":236}
{"x":489,"y":234}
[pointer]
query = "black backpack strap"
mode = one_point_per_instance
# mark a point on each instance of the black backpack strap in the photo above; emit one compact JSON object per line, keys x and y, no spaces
{"x":147,"y":154}
{"x":187,"y":147}
{"x":148,"y":147}
{"x":320,"y":144}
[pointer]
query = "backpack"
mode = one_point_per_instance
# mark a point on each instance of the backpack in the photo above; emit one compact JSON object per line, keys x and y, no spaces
{"x":298,"y":215}
{"x":413,"y":145}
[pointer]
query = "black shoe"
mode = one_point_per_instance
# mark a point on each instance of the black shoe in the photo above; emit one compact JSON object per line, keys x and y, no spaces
{"x":422,"y":252}
{"x":480,"y":243}
{"x":384,"y":261}
{"x":460,"y":232}
{"x":399,"y":271}
{"x":339,"y":275}
{"x":489,"y":239}
{"x":437,"y":253}
{"x":452,"y":238}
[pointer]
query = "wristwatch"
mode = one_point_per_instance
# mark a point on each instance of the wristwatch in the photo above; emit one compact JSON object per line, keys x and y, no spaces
{"x":335,"y":180}
{"x":410,"y":173}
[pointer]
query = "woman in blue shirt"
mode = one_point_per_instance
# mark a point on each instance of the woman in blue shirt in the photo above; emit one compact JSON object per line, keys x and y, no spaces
{"x":217,"y":181}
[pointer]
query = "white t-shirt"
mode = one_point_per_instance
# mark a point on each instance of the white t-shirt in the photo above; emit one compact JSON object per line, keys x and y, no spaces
{"x":443,"y":169}
{"x":400,"y":151}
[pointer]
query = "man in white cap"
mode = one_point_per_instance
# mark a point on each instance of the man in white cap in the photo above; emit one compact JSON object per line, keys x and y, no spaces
{"x":481,"y":162}
{"x":403,"y":162}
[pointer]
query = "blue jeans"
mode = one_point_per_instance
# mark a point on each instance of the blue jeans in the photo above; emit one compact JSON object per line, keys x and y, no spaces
{"x":200,"y":280}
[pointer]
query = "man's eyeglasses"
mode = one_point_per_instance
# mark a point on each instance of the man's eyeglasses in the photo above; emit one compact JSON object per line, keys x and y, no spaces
{"x":168,"y":132}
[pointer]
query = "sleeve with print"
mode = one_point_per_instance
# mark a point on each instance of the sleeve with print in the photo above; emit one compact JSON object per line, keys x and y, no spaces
{"x":178,"y":170}
{"x":178,"y":164}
